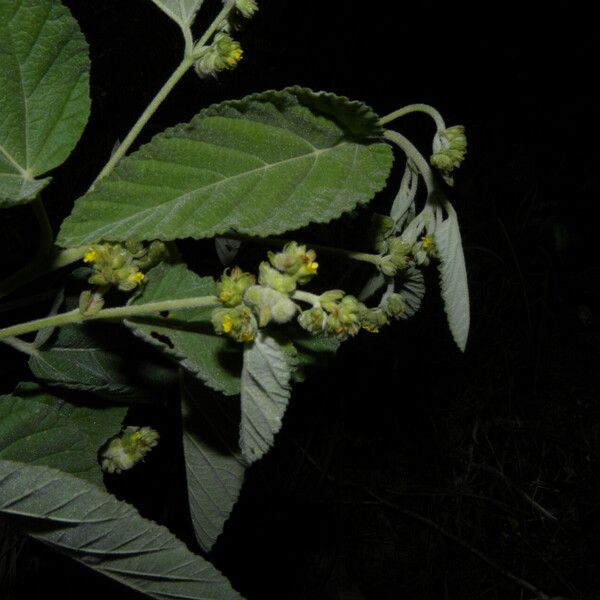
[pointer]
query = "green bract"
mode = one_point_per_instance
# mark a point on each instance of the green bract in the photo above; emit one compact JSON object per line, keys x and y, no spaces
{"x":263,"y":165}
{"x":44,"y":93}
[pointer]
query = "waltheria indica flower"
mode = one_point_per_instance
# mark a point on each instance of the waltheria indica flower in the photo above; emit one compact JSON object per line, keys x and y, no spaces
{"x":238,"y":323}
{"x":295,"y":260}
{"x":232,"y":285}
{"x":129,"y":448}
{"x":246,"y":7}
{"x":224,"y":53}
{"x":449,"y":149}
{"x":373,"y":319}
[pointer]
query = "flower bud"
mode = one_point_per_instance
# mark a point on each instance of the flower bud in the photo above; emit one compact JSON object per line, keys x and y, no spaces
{"x":270,"y":277}
{"x":373,"y":319}
{"x":450,"y":148}
{"x":313,"y":320}
{"x":131,"y":447}
{"x":296,"y":261}
{"x":90,"y":303}
{"x":246,"y":7}
{"x":232,"y":286}
{"x":224,"y":53}
{"x":238,"y":323}
{"x":387,"y":266}
{"x":394,"y":305}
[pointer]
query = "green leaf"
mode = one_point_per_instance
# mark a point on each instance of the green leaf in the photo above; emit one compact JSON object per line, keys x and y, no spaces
{"x":41,"y":429}
{"x":406,"y":194}
{"x":106,"y":535}
{"x":265,"y":394}
{"x":188,"y":334}
{"x":44,"y":93}
{"x":182,"y":12}
{"x":266,"y":164}
{"x":215,"y":468}
{"x":453,"y":277}
{"x":99,"y":359}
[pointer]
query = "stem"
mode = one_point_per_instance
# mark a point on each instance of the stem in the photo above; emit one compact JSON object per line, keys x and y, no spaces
{"x":417,"y":158}
{"x":373,"y":259}
{"x":120,"y":312}
{"x":411,"y":108}
{"x":165,"y":90}
{"x":179,"y":72}
{"x":306,"y":297}
{"x":20,"y":345}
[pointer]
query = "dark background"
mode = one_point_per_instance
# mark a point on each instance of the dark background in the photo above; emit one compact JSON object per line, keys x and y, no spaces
{"x":405,"y":470}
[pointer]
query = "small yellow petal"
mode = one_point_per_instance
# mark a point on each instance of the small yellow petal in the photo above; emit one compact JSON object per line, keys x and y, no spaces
{"x":136,"y":277}
{"x":90,"y":256}
{"x":227,"y":323}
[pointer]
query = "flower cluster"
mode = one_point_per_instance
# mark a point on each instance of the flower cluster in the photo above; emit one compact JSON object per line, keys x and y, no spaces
{"x":222,"y":54}
{"x":401,"y":254}
{"x":122,"y":265}
{"x":449,"y":149}
{"x":123,"y":452}
{"x":248,"y":305}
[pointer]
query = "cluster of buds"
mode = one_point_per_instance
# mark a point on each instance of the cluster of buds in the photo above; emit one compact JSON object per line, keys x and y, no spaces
{"x":123,"y":452}
{"x":401,"y":254}
{"x":449,"y":149}
{"x":380,"y":230}
{"x":122,"y":265}
{"x":222,"y":54}
{"x":248,"y":305}
{"x":247,"y":8}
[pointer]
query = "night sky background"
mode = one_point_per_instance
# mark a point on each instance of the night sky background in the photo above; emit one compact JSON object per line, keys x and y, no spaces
{"x":405,"y":469}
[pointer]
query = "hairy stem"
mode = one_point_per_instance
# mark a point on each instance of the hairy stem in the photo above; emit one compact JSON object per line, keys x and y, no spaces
{"x":374,"y":259}
{"x":412,"y":108}
{"x":307,"y":297}
{"x":165,"y":90}
{"x":120,"y":312}
{"x":20,"y":345}
{"x":415,"y":156}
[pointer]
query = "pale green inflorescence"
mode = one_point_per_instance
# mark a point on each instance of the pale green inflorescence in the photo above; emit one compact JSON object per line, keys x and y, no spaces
{"x":222,"y":54}
{"x":122,"y":265}
{"x":125,"y":451}
{"x":450,"y":149}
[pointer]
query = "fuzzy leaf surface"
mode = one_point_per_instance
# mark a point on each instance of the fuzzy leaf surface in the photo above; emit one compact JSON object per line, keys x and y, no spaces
{"x":44,"y":93}
{"x":39,"y":428}
{"x":109,"y":536}
{"x":214,"y":465}
{"x":453,"y":277}
{"x":265,"y":394}
{"x":188,"y":334}
{"x":266,"y":164}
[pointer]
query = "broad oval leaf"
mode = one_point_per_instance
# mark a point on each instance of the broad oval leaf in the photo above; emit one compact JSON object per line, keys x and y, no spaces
{"x":188,"y":334}
{"x":107,"y":535}
{"x":266,"y":164}
{"x":44,"y":93}
{"x":41,"y":429}
{"x":265,"y":394}
{"x":214,"y":465}
{"x":453,"y":277}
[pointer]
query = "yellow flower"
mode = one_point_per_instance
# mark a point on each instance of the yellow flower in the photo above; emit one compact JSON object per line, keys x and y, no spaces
{"x":234,"y":57}
{"x":370,"y":328}
{"x":312,"y":267}
{"x":427,"y":242}
{"x":90,"y":256}
{"x":227,"y":323}
{"x":136,"y":277}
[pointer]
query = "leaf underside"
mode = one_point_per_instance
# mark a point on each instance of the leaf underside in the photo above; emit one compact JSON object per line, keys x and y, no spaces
{"x":266,"y":164}
{"x":265,"y":395}
{"x":44,"y":93}
{"x":107,"y":535}
{"x":453,"y":278}
{"x":214,"y":466}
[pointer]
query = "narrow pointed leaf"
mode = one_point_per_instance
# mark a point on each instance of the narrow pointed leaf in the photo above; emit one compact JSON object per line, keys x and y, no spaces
{"x":265,"y":394}
{"x":214,"y":465}
{"x":453,"y":277}
{"x":107,"y":535}
{"x":44,"y":93}
{"x":188,"y":335}
{"x":266,"y":164}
